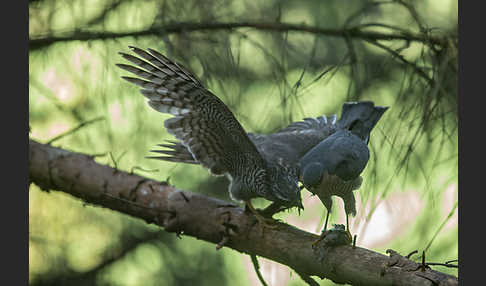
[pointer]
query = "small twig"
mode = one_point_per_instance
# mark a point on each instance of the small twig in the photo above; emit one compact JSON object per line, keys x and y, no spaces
{"x":333,"y":68}
{"x":363,"y":11}
{"x":354,"y":241}
{"x":222,"y":242}
{"x":114,"y":161}
{"x":257,"y":269}
{"x":411,"y":253}
{"x":423,"y":261}
{"x":441,"y":226}
{"x":413,"y":13}
{"x":443,"y":264}
{"x":142,"y":169}
{"x":69,"y":132}
{"x":381,"y":25}
{"x":403,"y":60}
{"x":307,"y":279}
{"x":353,"y":68}
{"x":121,"y":155}
{"x":98,"y":155}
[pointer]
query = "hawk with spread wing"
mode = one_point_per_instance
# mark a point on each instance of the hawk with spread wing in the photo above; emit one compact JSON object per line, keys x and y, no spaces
{"x":329,"y":154}
{"x":209,"y":133}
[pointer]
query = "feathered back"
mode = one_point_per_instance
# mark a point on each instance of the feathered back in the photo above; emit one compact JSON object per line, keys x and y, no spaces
{"x":308,"y":124}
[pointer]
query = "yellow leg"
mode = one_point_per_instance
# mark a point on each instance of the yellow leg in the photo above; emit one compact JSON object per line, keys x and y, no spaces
{"x":325,"y":222}
{"x":264,"y":222}
{"x":323,"y":233}
{"x":348,"y":233}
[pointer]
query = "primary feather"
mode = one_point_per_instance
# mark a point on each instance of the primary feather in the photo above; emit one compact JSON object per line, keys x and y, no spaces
{"x":207,"y":130}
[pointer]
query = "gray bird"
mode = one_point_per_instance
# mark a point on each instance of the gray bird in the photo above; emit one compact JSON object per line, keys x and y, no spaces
{"x":284,"y":147}
{"x":292,"y":143}
{"x":333,"y":167}
{"x":209,"y":133}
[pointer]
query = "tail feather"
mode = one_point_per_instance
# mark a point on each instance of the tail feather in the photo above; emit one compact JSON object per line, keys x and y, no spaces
{"x":176,"y":152}
{"x":360,"y":117}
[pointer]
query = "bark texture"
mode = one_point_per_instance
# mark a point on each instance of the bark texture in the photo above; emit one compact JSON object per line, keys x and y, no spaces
{"x":219,"y":222}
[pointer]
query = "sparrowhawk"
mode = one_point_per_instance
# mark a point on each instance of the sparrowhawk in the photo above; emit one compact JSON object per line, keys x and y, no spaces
{"x":333,"y":167}
{"x":329,"y":154}
{"x":209,"y":132}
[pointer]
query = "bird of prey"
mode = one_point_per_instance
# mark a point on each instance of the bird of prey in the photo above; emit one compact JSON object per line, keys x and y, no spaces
{"x":312,"y":145}
{"x":284,"y":147}
{"x":333,"y":166}
{"x":209,"y":133}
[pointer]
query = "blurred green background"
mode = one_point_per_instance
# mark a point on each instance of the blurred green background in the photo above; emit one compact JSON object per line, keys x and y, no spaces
{"x":408,"y":200}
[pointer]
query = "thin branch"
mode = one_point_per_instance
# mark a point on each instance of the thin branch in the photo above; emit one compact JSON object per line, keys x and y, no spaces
{"x":307,"y":279}
{"x":403,"y":60}
{"x":363,"y":11}
{"x":441,"y":226}
{"x":443,"y":264}
{"x":40,"y":41}
{"x":81,"y":125}
{"x":256,"y":265}
{"x":413,"y":13}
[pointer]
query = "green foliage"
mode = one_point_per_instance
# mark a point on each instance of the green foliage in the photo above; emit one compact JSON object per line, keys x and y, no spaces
{"x":268,"y":79}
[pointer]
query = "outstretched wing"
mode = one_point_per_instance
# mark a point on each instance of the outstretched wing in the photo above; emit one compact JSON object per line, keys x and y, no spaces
{"x":289,"y":144}
{"x":175,"y":152}
{"x":203,"y":123}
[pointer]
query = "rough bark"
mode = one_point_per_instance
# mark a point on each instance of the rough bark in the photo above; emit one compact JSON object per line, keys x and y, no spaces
{"x":218,"y":221}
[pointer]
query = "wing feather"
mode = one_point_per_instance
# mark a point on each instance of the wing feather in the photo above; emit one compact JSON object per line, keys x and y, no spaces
{"x":205,"y":126}
{"x":317,"y":124}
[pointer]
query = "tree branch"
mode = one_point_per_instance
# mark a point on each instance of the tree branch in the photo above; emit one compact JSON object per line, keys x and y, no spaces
{"x":217,"y":221}
{"x":37,"y":42}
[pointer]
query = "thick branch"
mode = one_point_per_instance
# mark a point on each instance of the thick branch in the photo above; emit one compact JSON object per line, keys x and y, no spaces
{"x":358,"y":33}
{"x":217,"y":221}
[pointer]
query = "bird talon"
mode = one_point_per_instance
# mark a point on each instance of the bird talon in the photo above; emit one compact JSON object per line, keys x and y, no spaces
{"x":268,"y":223}
{"x":321,"y":237}
{"x":349,"y":236}
{"x":335,"y":236}
{"x":262,"y":221}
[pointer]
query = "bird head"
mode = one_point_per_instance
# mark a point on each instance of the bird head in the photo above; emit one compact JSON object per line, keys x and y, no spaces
{"x":311,"y":174}
{"x":342,"y":154}
{"x":284,"y":188}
